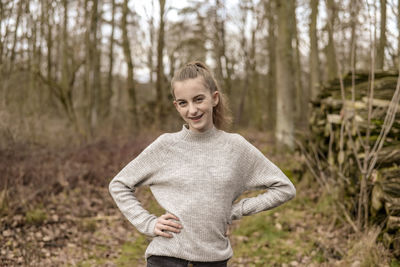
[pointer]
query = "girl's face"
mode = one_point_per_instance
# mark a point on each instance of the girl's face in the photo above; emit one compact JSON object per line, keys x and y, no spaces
{"x":195,"y":103}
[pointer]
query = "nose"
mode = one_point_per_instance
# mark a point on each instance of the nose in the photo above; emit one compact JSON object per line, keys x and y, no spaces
{"x":192,"y":109}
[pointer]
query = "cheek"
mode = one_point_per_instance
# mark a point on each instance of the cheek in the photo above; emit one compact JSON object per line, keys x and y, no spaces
{"x":181,"y":111}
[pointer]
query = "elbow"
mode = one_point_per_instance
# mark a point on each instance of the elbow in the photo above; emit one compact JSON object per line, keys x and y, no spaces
{"x":288,"y":190}
{"x":111,"y":187}
{"x":291,"y":191}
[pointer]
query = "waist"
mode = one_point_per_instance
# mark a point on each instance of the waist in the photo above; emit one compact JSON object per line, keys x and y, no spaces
{"x":167,"y":260}
{"x":191,"y":247}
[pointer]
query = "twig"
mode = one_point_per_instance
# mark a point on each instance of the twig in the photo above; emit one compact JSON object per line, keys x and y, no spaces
{"x":347,"y":216}
{"x":309,"y":165}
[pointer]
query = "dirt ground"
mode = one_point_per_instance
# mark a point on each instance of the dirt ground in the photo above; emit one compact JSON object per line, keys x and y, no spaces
{"x":56,"y":211}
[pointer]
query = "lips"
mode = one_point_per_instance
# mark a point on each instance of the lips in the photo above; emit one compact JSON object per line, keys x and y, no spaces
{"x":196,"y":118}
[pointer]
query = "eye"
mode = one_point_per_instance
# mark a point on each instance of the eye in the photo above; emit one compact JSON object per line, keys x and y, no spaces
{"x":181,"y":103}
{"x":199,"y":100}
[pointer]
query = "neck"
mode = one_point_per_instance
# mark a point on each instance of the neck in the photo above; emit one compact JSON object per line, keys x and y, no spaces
{"x":207,"y":135}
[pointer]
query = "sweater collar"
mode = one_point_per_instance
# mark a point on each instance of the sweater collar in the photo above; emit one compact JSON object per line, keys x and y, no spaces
{"x":190,"y":135}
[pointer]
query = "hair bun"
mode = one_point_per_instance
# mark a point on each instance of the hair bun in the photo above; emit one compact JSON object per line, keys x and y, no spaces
{"x":197,"y":64}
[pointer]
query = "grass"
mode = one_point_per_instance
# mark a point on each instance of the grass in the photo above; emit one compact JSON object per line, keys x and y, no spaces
{"x":35,"y":216}
{"x":132,"y":252}
{"x":88,"y":225}
{"x":395,"y":263}
{"x":273,"y":238}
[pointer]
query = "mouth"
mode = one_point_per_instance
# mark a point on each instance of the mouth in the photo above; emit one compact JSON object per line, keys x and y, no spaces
{"x":196,"y":118}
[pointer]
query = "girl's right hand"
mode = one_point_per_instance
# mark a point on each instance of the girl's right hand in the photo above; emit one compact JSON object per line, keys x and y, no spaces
{"x":163,"y":224}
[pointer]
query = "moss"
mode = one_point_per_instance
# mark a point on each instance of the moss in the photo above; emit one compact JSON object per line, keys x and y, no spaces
{"x":318,"y":257}
{"x":88,"y":225}
{"x":264,"y":242}
{"x":92,"y":261}
{"x":133,"y":252}
{"x":326,"y":204}
{"x":288,"y":173}
{"x":395,"y":263}
{"x":84,"y":264}
{"x":3,"y":202}
{"x":35,"y":216}
{"x":96,"y":259}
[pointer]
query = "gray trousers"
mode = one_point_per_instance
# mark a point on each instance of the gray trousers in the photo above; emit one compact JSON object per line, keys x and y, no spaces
{"x":165,"y":261}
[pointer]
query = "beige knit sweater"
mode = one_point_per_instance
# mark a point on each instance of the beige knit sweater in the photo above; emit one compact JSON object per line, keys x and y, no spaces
{"x":197,"y":177}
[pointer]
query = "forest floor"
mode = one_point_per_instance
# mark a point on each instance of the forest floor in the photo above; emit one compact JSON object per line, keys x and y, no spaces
{"x":61,"y":214}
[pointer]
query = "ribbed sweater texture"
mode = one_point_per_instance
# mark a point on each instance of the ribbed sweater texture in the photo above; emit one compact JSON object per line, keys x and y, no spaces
{"x":197,"y":176}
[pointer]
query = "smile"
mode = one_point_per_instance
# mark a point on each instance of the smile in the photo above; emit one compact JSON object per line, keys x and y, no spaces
{"x":196,"y":118}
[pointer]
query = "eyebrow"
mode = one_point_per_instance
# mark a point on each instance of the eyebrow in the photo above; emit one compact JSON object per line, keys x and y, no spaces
{"x":193,"y":97}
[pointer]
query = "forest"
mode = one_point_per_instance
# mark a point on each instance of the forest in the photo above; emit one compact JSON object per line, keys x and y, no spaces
{"x":85,"y":86}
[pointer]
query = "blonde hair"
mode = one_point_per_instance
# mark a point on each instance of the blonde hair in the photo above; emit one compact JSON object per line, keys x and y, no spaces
{"x":222,"y":117}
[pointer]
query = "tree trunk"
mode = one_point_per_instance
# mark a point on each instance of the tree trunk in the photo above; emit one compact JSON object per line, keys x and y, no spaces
{"x":302,"y":94}
{"x":224,"y":70}
{"x":128,"y":58}
{"x":9,"y":69}
{"x":330,"y":49}
{"x":380,"y":55}
{"x":314,"y":58}
{"x":150,"y":64}
{"x":1,"y":37}
{"x":285,"y":83}
{"x":87,"y":66}
{"x":95,"y":87}
{"x":256,"y":106}
{"x":17,"y":21}
{"x":398,"y":35}
{"x":109,"y":90}
{"x":245,"y":82}
{"x":160,"y":67}
{"x":270,"y":8}
{"x":49,"y":47}
{"x":353,"y":42}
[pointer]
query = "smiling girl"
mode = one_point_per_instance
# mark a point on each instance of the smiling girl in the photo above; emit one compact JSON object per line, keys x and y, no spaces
{"x":195,"y":175}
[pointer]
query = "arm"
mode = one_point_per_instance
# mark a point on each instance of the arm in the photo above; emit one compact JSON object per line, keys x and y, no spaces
{"x":261,"y":173}
{"x":140,"y":171}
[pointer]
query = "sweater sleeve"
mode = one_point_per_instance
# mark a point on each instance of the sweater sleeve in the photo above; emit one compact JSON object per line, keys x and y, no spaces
{"x":261,"y":173}
{"x":140,"y":171}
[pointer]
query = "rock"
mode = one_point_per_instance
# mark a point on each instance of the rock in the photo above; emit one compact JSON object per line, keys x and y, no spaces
{"x":242,"y":238}
{"x":39,"y":235}
{"x":54,"y":218}
{"x":7,"y":233}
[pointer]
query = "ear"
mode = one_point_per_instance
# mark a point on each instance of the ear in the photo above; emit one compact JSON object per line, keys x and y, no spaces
{"x":215,"y":97}
{"x":176,"y":105}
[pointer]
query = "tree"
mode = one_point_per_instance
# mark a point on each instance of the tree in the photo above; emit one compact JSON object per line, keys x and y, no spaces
{"x":224,"y":69}
{"x":109,"y":91}
{"x":160,"y":66}
{"x":380,"y":54}
{"x":95,"y":77}
{"x":301,"y":94}
{"x":270,"y":11}
{"x":128,"y":59}
{"x":285,"y":83}
{"x":330,"y":48}
{"x":186,"y":39}
{"x":398,"y":33}
{"x":314,"y":58}
{"x":245,"y":58}
{"x":150,"y":63}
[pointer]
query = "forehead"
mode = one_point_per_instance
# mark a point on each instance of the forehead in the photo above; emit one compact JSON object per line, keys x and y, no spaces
{"x":190,"y":88}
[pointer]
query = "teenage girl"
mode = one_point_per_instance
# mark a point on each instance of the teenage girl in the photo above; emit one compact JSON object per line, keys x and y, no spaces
{"x":195,"y":175}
